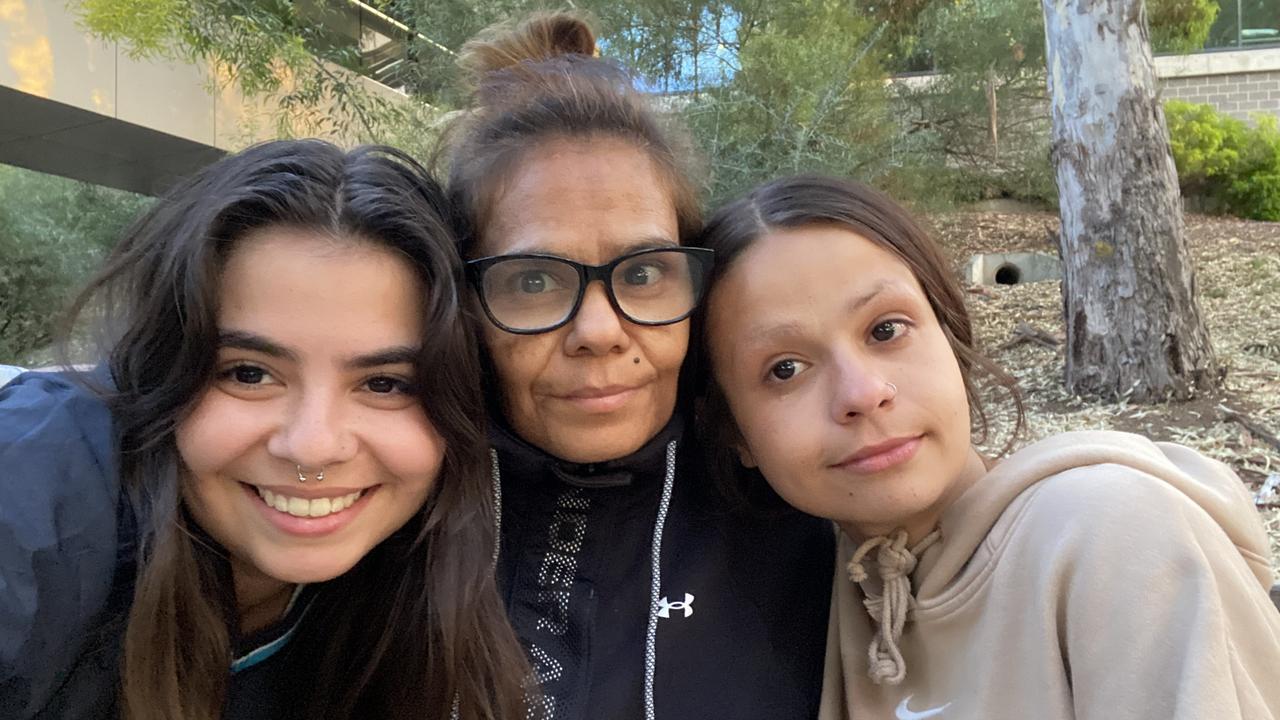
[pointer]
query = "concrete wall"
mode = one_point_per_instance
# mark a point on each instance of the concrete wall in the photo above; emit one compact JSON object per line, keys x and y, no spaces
{"x":1237,"y":82}
{"x":75,"y":106}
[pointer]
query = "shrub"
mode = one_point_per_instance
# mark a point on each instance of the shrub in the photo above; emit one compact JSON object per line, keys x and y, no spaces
{"x":1180,"y":26}
{"x":1224,"y":164}
{"x":1259,"y":193}
{"x":53,"y":232}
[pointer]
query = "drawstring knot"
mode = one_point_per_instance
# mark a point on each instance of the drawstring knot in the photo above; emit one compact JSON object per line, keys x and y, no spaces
{"x":894,"y":563}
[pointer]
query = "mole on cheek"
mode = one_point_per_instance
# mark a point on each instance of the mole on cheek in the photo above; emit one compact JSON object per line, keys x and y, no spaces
{"x":636,"y":361}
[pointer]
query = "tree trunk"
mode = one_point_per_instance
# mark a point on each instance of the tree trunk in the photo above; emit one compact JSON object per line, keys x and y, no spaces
{"x":1133,"y":323}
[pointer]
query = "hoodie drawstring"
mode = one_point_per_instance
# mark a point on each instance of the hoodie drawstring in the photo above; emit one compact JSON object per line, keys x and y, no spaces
{"x":655,"y":587}
{"x":895,"y":563}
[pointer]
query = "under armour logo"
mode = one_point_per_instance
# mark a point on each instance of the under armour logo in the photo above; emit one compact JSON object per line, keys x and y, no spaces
{"x":665,"y":608}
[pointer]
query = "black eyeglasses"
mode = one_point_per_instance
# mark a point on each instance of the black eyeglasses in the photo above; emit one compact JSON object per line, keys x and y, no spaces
{"x":535,"y":293}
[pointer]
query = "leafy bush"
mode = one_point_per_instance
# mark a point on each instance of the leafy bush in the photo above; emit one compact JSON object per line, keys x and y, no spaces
{"x":1180,"y":26}
{"x":1225,"y":164}
{"x":1205,"y":143}
{"x":809,"y":97}
{"x":984,"y":114}
{"x":1259,"y":193}
{"x":53,"y":233}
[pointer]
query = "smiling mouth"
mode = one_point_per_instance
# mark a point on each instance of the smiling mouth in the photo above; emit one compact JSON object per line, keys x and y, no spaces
{"x":309,"y":508}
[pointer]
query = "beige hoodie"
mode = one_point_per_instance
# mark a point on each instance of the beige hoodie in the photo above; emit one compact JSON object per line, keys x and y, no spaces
{"x":1092,"y":575}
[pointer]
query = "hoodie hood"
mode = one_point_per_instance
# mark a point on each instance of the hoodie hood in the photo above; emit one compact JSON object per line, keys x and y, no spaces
{"x":1210,"y":484}
{"x":896,"y":578}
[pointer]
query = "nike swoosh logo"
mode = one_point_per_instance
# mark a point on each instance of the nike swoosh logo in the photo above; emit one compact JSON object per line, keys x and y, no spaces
{"x":905,"y":713}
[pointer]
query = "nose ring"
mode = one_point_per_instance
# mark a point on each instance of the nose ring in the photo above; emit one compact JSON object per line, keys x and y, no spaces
{"x":302,"y":476}
{"x":893,"y":390}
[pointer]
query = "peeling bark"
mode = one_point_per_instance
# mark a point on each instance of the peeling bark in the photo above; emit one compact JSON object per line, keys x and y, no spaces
{"x":1134,"y":325}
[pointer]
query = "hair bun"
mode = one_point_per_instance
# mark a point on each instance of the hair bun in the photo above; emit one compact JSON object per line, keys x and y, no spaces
{"x":541,"y":37}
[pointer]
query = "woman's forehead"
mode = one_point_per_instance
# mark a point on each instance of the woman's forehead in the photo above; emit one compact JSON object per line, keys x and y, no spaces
{"x":590,"y":202}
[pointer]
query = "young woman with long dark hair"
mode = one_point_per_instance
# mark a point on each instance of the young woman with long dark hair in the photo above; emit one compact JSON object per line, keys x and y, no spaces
{"x":274,"y":501}
{"x":1089,"y":575}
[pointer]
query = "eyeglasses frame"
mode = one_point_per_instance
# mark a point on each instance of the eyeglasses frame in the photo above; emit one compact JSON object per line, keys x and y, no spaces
{"x":588,"y":274}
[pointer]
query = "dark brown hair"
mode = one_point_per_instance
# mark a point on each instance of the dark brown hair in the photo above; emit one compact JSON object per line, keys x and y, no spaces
{"x":817,"y":200}
{"x":541,"y":81}
{"x":417,"y":624}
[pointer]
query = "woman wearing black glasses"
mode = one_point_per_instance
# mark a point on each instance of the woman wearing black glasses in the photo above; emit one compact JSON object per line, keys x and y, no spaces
{"x":638,"y":591}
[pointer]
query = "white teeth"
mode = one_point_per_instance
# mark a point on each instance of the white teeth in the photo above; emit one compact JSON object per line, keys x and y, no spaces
{"x":301,"y":507}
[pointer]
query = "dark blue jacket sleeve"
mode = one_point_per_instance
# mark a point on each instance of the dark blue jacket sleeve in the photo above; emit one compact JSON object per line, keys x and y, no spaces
{"x":59,"y":501}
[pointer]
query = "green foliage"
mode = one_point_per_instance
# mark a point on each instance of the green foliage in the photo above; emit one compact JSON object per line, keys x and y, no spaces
{"x":1257,"y":196}
{"x":147,"y":28}
{"x":1205,"y":143}
{"x":809,"y":96}
{"x":983,"y":115}
{"x":433,"y":74}
{"x":1225,"y":164}
{"x":53,"y":233}
{"x":287,"y":50}
{"x":1180,"y":26}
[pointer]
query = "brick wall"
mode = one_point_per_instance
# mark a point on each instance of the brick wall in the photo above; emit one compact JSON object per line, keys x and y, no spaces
{"x":1239,"y":83}
{"x":1238,"y":94}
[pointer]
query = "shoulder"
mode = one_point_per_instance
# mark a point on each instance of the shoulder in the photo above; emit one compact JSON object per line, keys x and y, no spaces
{"x":1143,"y":500}
{"x":1125,"y":478}
{"x":57,"y":442}
{"x":60,"y":517}
{"x":41,"y":409}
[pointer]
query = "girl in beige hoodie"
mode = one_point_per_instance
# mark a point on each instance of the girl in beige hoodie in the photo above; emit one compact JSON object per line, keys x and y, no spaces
{"x":1093,"y":575}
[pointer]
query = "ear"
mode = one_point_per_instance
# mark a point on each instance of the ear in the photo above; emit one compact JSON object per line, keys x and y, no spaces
{"x":744,"y":455}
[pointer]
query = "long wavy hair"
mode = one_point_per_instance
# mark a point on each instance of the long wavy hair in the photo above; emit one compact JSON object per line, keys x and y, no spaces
{"x":416,"y":626}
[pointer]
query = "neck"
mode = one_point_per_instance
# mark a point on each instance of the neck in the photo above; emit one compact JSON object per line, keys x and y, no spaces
{"x":260,"y":600}
{"x":922,"y":523}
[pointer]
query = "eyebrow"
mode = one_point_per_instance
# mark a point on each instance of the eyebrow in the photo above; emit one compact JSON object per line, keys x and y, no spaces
{"x":400,"y":355}
{"x":866,"y":297}
{"x":763,"y":335}
{"x":397,"y":355}
{"x":653,"y":242}
{"x":254,"y":343}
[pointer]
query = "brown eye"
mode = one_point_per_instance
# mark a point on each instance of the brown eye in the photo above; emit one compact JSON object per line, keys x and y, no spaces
{"x":383,"y":385}
{"x":885,"y":331}
{"x":784,"y":370}
{"x":248,"y":374}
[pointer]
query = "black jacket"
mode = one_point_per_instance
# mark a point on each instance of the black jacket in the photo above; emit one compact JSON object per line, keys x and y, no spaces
{"x":735,"y":625}
{"x":68,"y":540}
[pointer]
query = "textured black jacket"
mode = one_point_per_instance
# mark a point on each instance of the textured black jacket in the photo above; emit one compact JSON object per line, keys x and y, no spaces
{"x":639,"y":594}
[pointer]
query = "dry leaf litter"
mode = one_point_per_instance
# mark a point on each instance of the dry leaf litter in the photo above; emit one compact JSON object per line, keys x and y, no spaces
{"x":1237,"y":266}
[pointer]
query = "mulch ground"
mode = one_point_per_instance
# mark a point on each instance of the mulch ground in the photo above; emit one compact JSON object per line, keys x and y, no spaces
{"x":1238,"y":271}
